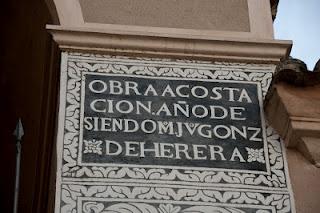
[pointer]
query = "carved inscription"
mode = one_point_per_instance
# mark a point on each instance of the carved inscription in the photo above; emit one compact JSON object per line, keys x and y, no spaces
{"x":141,"y":135}
{"x":172,"y":122}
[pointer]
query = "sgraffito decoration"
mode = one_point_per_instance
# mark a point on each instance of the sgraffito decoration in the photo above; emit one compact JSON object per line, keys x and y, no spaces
{"x":142,"y":135}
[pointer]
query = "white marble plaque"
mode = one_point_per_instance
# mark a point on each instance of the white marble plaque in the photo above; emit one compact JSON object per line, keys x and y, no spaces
{"x":141,"y":135}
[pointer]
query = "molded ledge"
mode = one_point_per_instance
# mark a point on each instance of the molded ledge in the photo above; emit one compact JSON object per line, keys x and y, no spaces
{"x":152,"y":44}
{"x":292,"y":107}
{"x":295,"y":113}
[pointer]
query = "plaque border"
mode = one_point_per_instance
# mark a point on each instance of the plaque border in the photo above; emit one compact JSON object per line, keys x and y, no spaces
{"x":75,"y":182}
{"x":74,"y":66}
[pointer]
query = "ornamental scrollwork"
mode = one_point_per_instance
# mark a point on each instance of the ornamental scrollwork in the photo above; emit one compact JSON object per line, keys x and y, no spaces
{"x":221,"y":71}
{"x":137,"y":189}
{"x":89,"y":196}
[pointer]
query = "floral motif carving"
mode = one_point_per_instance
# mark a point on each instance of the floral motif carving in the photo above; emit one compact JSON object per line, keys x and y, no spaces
{"x":221,"y":71}
{"x":255,"y":155}
{"x":263,"y":203}
{"x":92,"y":146}
{"x":75,"y":192}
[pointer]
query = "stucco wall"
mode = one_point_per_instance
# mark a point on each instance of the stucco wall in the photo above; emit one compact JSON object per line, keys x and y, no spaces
{"x":305,"y":180}
{"x":228,"y":15}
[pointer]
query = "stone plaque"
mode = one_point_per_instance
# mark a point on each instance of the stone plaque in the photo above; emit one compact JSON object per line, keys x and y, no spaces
{"x":162,"y":136}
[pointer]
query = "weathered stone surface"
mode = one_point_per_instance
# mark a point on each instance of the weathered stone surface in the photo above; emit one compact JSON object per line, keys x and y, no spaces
{"x":295,"y":72}
{"x":304,"y":178}
{"x":292,"y":106}
{"x":274,"y":8}
{"x":219,"y":155}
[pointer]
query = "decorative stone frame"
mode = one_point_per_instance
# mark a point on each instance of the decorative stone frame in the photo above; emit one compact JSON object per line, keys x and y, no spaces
{"x":76,"y":183}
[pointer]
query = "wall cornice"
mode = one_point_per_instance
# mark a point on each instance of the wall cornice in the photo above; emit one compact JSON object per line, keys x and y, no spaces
{"x":128,"y":41}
